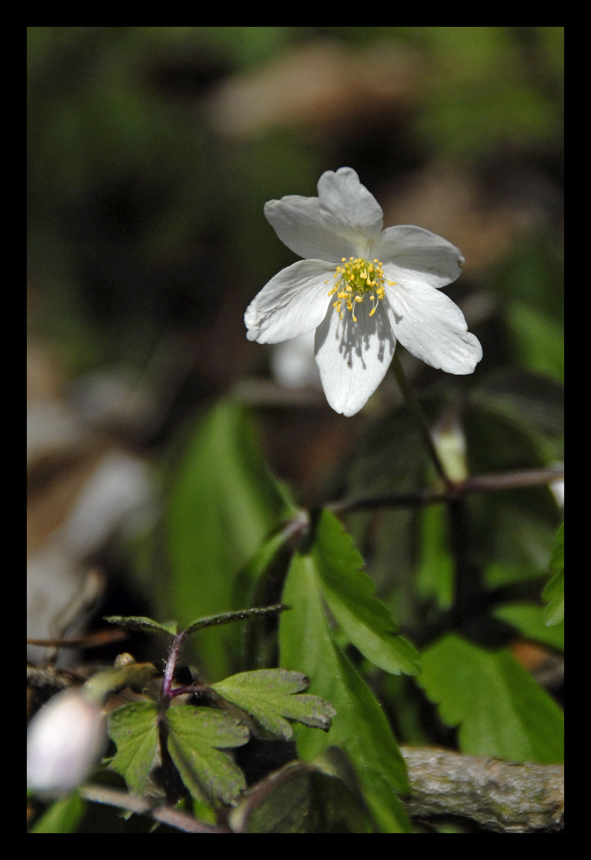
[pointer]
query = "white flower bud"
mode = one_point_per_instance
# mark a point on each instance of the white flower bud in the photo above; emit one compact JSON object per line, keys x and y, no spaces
{"x":65,"y":739}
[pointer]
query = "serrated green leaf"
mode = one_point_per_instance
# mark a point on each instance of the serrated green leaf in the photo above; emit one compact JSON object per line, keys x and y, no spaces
{"x":554,"y":591}
{"x":350,"y":594}
{"x":268,"y":694}
{"x":195,"y":737}
{"x":360,"y":727}
{"x":139,"y":622}
{"x":223,"y":504}
{"x":134,"y":730}
{"x":499,"y":707}
{"x":528,"y":618}
{"x":62,"y":816}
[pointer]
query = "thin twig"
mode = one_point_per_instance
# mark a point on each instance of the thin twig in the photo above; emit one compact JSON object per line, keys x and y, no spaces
{"x":164,"y":814}
{"x":476,"y":484}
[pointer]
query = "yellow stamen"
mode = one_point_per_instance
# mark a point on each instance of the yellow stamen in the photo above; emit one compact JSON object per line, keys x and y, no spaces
{"x":353,"y":280}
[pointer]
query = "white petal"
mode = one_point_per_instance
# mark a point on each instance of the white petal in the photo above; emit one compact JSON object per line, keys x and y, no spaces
{"x":353,"y":357}
{"x":309,"y":229}
{"x":414,"y":251}
{"x":292,"y":303}
{"x":350,"y":201}
{"x":432,"y":327}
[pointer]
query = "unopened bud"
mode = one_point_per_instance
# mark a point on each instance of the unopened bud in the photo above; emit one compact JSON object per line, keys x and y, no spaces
{"x":65,"y":739}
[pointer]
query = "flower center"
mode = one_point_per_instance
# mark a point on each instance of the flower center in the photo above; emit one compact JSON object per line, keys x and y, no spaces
{"x":355,"y":279}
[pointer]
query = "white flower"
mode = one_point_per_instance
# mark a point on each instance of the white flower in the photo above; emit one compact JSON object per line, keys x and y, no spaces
{"x":362,"y":289}
{"x":65,"y":740}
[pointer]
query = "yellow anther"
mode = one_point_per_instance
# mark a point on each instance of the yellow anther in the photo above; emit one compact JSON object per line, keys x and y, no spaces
{"x":353,"y":280}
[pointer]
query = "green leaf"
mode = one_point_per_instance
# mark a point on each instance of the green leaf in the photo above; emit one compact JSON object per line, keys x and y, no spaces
{"x":231,"y":617}
{"x":349,"y":592}
{"x":195,"y":736}
{"x":499,"y":707}
{"x":223,"y":503}
{"x":62,"y":816}
{"x":268,"y":694}
{"x":299,"y":799}
{"x":554,"y":591}
{"x":360,"y":727}
{"x":528,"y":618}
{"x":139,"y":622}
{"x":134,"y":730}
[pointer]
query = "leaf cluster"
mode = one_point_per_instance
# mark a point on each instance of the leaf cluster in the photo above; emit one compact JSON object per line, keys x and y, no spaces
{"x":189,"y":744}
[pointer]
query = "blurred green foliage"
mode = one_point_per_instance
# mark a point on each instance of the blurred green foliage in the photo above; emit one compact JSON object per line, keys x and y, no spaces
{"x":223,"y":503}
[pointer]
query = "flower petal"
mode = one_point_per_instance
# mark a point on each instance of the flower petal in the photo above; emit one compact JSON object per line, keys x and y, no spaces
{"x":292,"y":303}
{"x":432,"y":327}
{"x":353,"y":357}
{"x":407,"y":251}
{"x":350,"y":201}
{"x":308,"y":229}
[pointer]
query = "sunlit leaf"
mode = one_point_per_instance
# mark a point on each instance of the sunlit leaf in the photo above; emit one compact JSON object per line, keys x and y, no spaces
{"x":554,"y":591}
{"x":500,"y":709}
{"x":350,"y":594}
{"x":195,"y":737}
{"x":360,"y":727}
{"x":268,"y":694}
{"x":134,"y":729}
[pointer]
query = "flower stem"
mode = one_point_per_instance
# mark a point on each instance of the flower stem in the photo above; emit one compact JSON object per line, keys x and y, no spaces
{"x":415,"y":410}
